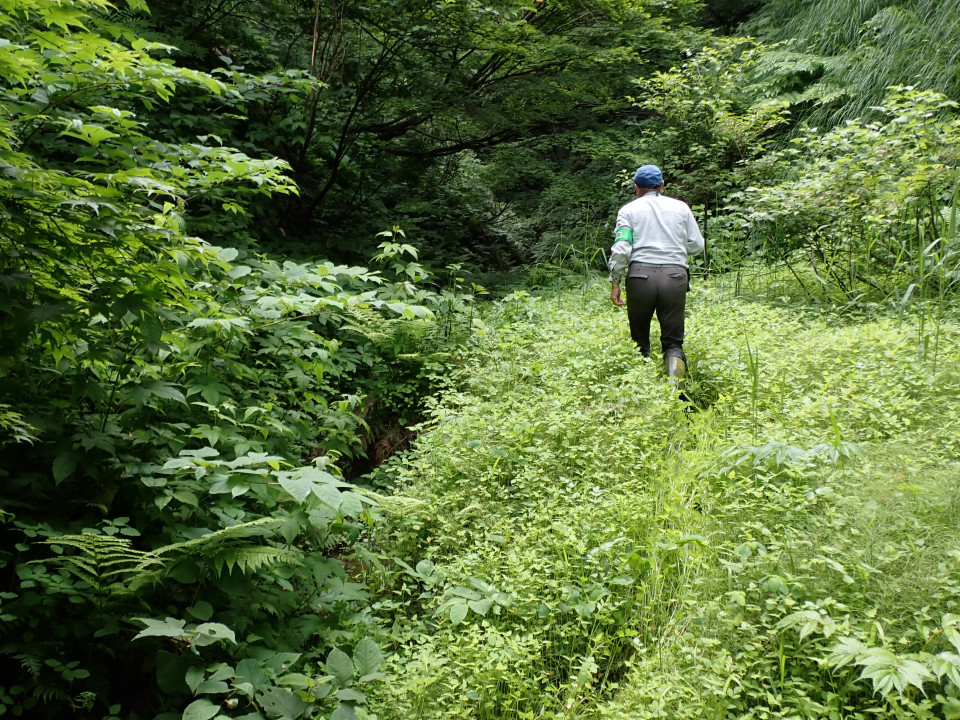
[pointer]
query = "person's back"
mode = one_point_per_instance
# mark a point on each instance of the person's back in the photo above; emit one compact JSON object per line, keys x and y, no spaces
{"x":662,"y":227}
{"x":654,"y":236}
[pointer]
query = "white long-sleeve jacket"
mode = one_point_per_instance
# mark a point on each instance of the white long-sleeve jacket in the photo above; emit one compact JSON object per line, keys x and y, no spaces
{"x":664,"y":233}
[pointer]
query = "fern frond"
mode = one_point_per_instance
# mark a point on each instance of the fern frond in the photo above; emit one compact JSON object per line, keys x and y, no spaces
{"x":394,"y":504}
{"x":111,"y":567}
{"x":264,"y":527}
{"x":48,"y":693}
{"x":865,"y":47}
{"x":19,"y":430}
{"x":215,"y":550}
{"x":30,"y":660}
{"x":823,"y":93}
{"x":143,"y":579}
{"x":252,"y":559}
{"x":103,"y":562}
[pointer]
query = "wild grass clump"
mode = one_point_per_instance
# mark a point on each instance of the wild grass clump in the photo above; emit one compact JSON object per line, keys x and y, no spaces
{"x":865,"y":47}
{"x":585,"y":548}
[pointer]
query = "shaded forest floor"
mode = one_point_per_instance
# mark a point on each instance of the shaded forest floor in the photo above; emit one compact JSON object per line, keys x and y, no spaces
{"x":586,"y":546}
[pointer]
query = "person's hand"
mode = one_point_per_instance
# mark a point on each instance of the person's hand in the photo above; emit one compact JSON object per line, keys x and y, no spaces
{"x":615,"y":295}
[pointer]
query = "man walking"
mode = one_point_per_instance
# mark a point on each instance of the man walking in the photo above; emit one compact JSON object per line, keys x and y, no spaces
{"x":654,"y":236}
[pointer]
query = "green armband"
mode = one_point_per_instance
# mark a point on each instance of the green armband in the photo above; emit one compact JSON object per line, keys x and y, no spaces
{"x":625,"y":234}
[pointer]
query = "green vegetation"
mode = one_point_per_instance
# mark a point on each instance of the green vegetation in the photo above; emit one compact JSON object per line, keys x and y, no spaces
{"x":262,"y":457}
{"x":177,"y":417}
{"x":866,"y":207}
{"x":846,"y":53}
{"x":468,"y":123}
{"x":585,"y":548}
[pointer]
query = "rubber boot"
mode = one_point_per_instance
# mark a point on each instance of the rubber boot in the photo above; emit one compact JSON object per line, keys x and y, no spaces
{"x":675,"y":366}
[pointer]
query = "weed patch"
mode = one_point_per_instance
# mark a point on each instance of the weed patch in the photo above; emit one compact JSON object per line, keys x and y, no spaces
{"x":582,"y":548}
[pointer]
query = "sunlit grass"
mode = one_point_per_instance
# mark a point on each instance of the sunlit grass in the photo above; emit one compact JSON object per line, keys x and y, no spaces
{"x":633,"y":567}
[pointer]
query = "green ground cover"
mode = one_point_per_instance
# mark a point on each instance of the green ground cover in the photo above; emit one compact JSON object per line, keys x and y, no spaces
{"x":586,"y":548}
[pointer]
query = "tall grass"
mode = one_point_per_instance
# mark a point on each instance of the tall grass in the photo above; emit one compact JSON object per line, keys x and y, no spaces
{"x":869,"y":45}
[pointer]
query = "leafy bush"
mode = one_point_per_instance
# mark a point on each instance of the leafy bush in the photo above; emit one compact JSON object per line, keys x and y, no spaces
{"x":179,"y":539}
{"x":709,"y":114}
{"x":867,"y":205}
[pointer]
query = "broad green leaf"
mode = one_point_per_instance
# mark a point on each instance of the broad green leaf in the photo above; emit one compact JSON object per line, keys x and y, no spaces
{"x":63,"y":16}
{"x":282,"y":703}
{"x":951,"y":707}
{"x":239,"y":271}
{"x":947,"y":664}
{"x":297,"y":484}
{"x":201,"y":611}
{"x":170,"y":627}
{"x":350,"y":695}
{"x":90,"y":133}
{"x":194,"y":677}
{"x":222,"y":672}
{"x":890,"y":672}
{"x":204,"y":452}
{"x":186,"y":497}
{"x":318,"y":476}
{"x":63,"y":467}
{"x":298,"y":681}
{"x":212,"y":392}
{"x":250,"y":672}
{"x":467,"y":593}
{"x":329,"y":495}
{"x":776,"y":584}
{"x":351,"y":505}
{"x":201,"y":709}
{"x":951,"y":629}
{"x":344,"y":711}
{"x":142,"y":393}
{"x":458,"y":613}
{"x":845,"y":651}
{"x":367,"y":656}
{"x":340,"y":666}
{"x":211,"y":687}
{"x":209,"y":633}
{"x":480,"y":607}
{"x":482,"y":585}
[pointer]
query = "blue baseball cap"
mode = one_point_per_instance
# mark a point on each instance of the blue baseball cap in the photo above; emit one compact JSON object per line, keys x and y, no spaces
{"x":648,"y":176}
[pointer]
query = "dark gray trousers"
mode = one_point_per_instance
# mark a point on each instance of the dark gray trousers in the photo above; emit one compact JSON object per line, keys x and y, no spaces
{"x":660,"y":289}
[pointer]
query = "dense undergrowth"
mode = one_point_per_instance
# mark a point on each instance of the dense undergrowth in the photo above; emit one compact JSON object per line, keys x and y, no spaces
{"x":183,"y":420}
{"x":587,"y":547}
{"x":177,"y":524}
{"x":177,"y":419}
